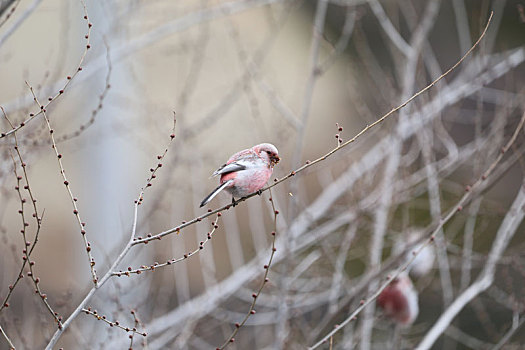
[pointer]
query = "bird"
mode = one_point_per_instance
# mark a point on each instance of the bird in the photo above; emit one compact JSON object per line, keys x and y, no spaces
{"x":246,"y":171}
{"x":399,"y":300}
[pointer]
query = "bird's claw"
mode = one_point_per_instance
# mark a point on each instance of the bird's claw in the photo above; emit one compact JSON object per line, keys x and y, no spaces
{"x":233,"y":202}
{"x":259,"y":192}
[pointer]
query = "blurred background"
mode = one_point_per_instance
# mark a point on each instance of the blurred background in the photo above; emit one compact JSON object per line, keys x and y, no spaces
{"x":238,"y":73}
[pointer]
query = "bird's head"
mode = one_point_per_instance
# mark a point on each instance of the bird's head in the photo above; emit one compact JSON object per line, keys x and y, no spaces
{"x":268,"y":150}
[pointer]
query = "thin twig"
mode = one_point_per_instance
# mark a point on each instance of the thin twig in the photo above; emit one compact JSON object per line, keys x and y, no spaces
{"x":94,"y":113}
{"x":73,"y":199}
{"x":28,"y":246}
{"x":173,"y":261}
{"x":115,"y":323}
{"x":255,"y":295}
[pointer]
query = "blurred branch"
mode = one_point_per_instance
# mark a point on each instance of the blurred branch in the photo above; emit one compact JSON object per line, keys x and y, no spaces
{"x":466,"y":339}
{"x":61,"y":87}
{"x":435,"y":211}
{"x":517,"y":322}
{"x":4,"y":4}
{"x":505,"y":233}
{"x":342,"y":43}
{"x":19,"y":21}
{"x":379,"y":230}
{"x":274,"y":98}
{"x":389,"y":28}
{"x":460,"y":14}
{"x":7,"y":338}
{"x":125,"y":50}
{"x":318,"y":30}
{"x":468,"y":239}
{"x":496,"y":251}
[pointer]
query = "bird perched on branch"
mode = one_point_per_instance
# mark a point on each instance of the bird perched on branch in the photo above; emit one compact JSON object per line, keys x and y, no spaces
{"x":246,"y":171}
{"x":399,"y":300}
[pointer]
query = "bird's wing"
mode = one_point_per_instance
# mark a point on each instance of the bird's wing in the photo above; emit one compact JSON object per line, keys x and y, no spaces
{"x":230,"y":168}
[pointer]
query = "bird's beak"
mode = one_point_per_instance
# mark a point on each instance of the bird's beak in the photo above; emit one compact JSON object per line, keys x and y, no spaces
{"x":274,"y":160}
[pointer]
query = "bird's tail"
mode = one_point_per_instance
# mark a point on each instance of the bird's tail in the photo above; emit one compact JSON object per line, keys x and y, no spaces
{"x":214,"y":192}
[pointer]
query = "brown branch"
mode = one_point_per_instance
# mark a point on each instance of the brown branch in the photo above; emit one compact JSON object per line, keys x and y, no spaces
{"x":255,"y":295}
{"x":73,"y":199}
{"x":156,"y":265}
{"x":115,"y":323}
{"x":28,"y":246}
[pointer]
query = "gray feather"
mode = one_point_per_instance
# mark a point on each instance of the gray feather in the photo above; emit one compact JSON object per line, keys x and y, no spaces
{"x":214,"y":193}
{"x":229,"y":168}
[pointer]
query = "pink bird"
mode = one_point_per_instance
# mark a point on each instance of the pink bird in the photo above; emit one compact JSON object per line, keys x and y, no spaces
{"x":399,"y":300}
{"x":246,"y":171}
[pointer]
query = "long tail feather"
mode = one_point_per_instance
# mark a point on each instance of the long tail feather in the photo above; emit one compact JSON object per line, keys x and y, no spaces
{"x":214,"y":193}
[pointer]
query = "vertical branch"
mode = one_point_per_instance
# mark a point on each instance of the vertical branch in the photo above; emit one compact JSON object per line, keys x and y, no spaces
{"x":318,"y":29}
{"x":336,"y":287}
{"x":380,"y":225}
{"x":389,"y":28}
{"x":468,"y":241}
{"x":435,"y":212}
{"x":28,"y":246}
{"x":460,"y":14}
{"x":73,"y":199}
